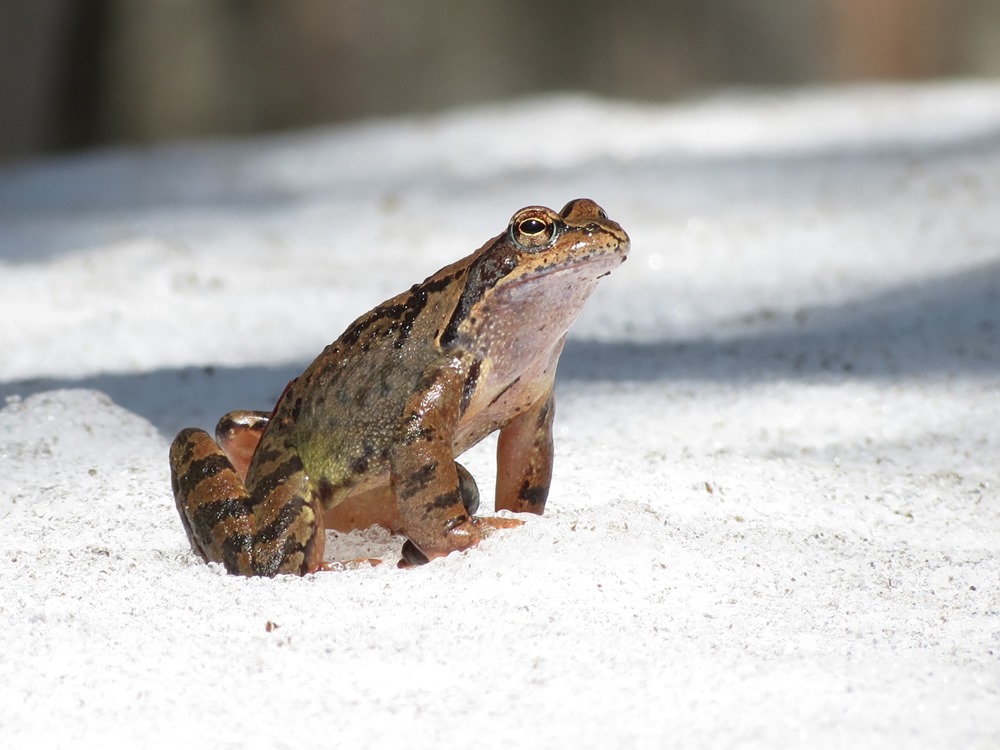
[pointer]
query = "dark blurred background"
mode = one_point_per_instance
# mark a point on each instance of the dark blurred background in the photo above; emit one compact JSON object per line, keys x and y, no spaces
{"x":81,"y":73}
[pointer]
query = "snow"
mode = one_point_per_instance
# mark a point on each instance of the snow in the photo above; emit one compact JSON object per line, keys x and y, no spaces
{"x":775,"y":510}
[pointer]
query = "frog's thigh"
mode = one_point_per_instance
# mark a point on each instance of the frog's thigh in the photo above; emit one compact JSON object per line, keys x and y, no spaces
{"x":424,"y":475}
{"x":524,"y":459}
{"x":238,"y":434}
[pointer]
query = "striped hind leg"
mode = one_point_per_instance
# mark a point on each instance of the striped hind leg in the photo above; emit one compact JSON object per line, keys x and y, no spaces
{"x":273,"y":529}
{"x":212,"y":501}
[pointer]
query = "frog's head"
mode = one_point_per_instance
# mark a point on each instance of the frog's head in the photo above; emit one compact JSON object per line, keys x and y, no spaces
{"x":542,"y":268}
{"x":541,"y":241}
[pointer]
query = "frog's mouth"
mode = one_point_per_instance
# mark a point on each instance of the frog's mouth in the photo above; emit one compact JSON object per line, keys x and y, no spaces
{"x":607,"y":261}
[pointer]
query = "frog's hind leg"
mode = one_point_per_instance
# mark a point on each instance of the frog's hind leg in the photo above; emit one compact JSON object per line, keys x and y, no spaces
{"x":271,"y":530}
{"x":211,"y":500}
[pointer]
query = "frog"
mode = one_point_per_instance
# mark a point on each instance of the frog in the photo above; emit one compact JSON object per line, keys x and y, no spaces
{"x":369,"y":433}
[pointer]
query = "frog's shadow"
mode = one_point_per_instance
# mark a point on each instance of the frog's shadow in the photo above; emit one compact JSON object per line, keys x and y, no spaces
{"x":948,"y":326}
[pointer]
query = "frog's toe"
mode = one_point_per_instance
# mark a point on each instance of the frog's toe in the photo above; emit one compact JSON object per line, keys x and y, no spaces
{"x":489,"y":524}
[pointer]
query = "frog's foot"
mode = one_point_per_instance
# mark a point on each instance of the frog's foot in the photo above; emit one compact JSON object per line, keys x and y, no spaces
{"x":486,"y":525}
{"x":238,"y":434}
{"x":489,"y":524}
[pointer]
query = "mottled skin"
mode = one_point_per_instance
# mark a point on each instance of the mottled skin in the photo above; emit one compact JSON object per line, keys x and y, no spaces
{"x":370,"y":431}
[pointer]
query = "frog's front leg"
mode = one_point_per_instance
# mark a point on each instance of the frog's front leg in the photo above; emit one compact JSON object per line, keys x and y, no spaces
{"x":524,"y":459}
{"x":423,"y":472}
{"x":271,"y":529}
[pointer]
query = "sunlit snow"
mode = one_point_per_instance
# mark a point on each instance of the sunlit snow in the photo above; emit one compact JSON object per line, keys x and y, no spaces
{"x":775,"y":516}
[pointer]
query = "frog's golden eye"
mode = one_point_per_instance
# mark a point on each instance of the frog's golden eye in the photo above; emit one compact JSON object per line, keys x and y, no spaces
{"x":532,"y":230}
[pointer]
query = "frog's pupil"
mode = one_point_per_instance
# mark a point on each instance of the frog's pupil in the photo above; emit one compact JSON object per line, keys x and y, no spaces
{"x":532,"y":226}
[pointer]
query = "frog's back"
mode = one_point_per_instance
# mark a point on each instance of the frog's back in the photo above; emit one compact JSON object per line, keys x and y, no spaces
{"x":344,"y":413}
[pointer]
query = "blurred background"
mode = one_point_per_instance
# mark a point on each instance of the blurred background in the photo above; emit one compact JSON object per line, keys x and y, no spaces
{"x":83,"y":73}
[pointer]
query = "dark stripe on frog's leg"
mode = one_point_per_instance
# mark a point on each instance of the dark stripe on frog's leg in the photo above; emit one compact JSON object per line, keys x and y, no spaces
{"x":211,"y":501}
{"x":416,"y":482}
{"x":524,"y":460}
{"x":533,"y":497}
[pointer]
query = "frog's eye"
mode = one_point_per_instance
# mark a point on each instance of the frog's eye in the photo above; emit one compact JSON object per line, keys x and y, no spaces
{"x":531,"y":231}
{"x":531,"y":226}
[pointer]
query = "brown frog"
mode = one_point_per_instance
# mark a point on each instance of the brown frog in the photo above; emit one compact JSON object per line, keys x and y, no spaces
{"x":370,"y":431}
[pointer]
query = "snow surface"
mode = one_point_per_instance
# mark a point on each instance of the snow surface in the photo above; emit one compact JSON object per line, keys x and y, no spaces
{"x":775,"y":514}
